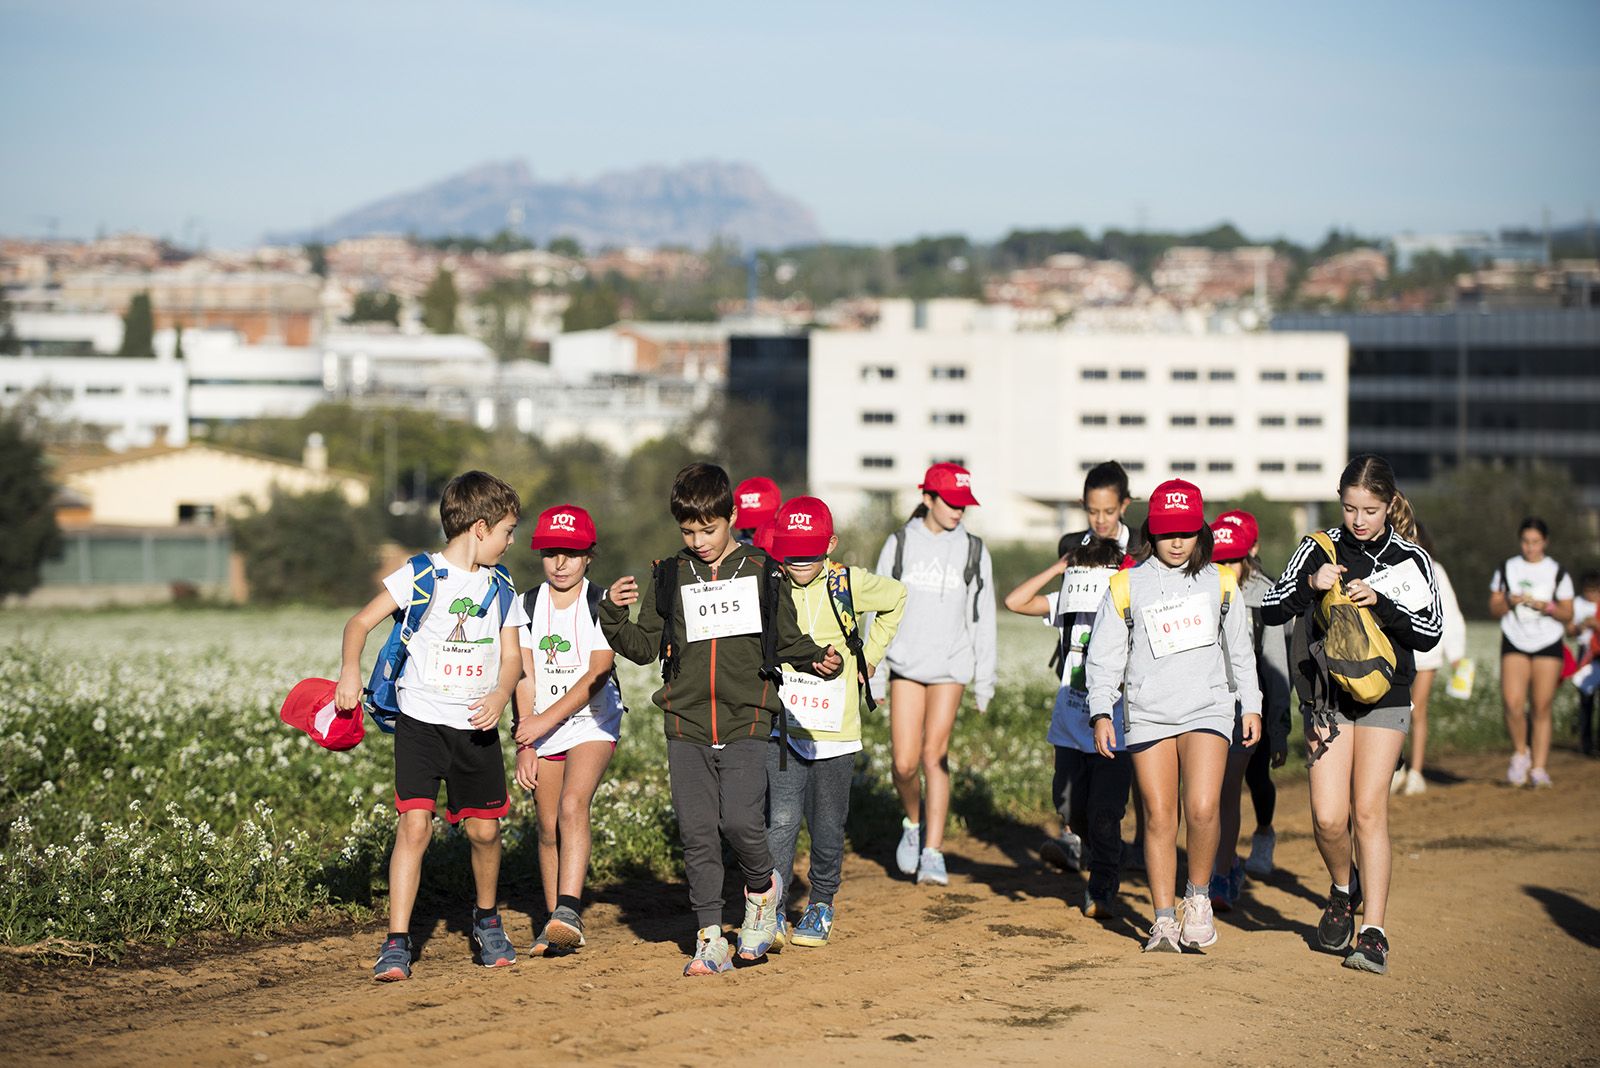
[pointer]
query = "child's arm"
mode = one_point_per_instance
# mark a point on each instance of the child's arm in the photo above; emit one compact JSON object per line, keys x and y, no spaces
{"x":486,"y":710}
{"x":886,"y":600}
{"x":575,"y":700}
{"x":347,"y":694}
{"x":522,"y":708}
{"x":795,"y":646}
{"x":1027,"y":600}
{"x":1105,"y":664}
{"x":641,"y":641}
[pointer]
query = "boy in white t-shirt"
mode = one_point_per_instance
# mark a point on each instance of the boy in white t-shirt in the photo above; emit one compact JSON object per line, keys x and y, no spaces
{"x":461,"y":669}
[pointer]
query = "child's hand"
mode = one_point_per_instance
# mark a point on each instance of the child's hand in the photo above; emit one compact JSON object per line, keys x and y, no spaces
{"x":528,"y":730}
{"x":1105,"y":737}
{"x":1250,"y":730}
{"x":1326,"y":577}
{"x":527,"y":769}
{"x":347,"y":694}
{"x":830,"y":664}
{"x":1059,"y":567}
{"x":1361,"y":593}
{"x":624,"y":591}
{"x":1280,"y":754}
{"x":486,"y":710}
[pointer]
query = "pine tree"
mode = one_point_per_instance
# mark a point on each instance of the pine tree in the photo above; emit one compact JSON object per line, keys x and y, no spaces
{"x":439,"y":302}
{"x":28,"y":532}
{"x":138,"y":329}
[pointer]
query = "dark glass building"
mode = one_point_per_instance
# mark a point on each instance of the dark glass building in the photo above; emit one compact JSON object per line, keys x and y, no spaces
{"x":769,"y":400}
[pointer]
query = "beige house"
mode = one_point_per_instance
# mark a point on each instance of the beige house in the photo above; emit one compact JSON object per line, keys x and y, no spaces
{"x":195,"y":484}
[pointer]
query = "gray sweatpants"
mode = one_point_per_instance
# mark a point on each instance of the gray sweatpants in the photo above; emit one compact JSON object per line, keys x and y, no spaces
{"x":819,"y":791}
{"x":718,"y":792}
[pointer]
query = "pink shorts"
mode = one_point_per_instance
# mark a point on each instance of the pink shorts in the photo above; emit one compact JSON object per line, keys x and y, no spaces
{"x":562,"y":755}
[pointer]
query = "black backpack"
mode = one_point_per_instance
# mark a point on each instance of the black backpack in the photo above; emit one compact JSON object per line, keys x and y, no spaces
{"x":971,"y":575}
{"x":592,"y":599}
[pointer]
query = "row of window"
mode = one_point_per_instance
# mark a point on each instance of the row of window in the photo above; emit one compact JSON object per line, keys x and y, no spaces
{"x":881,"y":418}
{"x":1135,"y":419}
{"x":884,"y":463}
{"x":887,"y":373}
{"x":948,"y":372}
{"x":1178,"y":467}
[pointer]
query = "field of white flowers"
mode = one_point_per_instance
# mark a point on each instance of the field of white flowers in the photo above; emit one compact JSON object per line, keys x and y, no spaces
{"x":148,"y":790}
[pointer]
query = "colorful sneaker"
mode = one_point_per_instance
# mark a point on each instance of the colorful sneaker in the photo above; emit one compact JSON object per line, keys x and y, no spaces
{"x":541,"y":944}
{"x":1221,"y":894}
{"x":564,"y":932}
{"x":930,"y":868}
{"x":1371,"y":952}
{"x":712,"y":954}
{"x":760,"y":927}
{"x":394,"y":961}
{"x":781,"y":936}
{"x":1539,"y":778}
{"x":1517,"y":773}
{"x":491,"y":947}
{"x":1397,"y":781}
{"x":1338,"y":923}
{"x":1065,"y":851}
{"x":1164,"y":935}
{"x":1415,"y":783}
{"x":1199,"y":930}
{"x":906,"y":853}
{"x":1099,"y":908}
{"x":814,"y":927}
{"x":1236,"y":881}
{"x":1261,"y":850}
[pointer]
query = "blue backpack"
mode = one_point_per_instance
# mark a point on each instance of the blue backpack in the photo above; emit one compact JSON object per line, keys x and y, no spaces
{"x":381,"y":700}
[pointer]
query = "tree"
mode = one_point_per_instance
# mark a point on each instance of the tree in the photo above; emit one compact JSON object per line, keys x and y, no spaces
{"x":566,"y":246}
{"x":439,"y":302}
{"x":9,"y":345}
{"x":138,"y":329}
{"x":177,"y":341}
{"x":28,"y":532}
{"x":593,"y":305}
{"x":317,"y":253}
{"x":313,"y":548}
{"x":375,"y":306}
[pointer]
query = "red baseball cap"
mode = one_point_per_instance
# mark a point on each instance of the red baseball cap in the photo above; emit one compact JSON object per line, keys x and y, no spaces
{"x":309,"y":707}
{"x":1234,"y":534}
{"x":566,"y":526}
{"x":1176,"y":508}
{"x":952,"y":483}
{"x":801,"y":528}
{"x":757,"y":500}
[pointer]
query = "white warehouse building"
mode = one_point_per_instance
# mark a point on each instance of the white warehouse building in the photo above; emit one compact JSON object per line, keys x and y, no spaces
{"x":1029,"y":413}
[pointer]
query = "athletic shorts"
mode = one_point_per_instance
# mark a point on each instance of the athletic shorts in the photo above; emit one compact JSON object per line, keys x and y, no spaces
{"x":1142,"y":746}
{"x":1393,"y":717}
{"x":469,"y":763}
{"x":1551,"y":650}
{"x":558,"y":757}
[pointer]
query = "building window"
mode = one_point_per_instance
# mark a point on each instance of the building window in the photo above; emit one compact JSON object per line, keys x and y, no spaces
{"x":1219,"y":467}
{"x":1134,"y":466}
{"x":1094,"y":374}
{"x":1308,"y":376}
{"x":949,"y":373}
{"x":1219,"y":420}
{"x":1092,"y":420}
{"x":1308,"y":467}
{"x":877,"y":373}
{"x":877,"y":463}
{"x":1274,"y":376}
{"x":877,"y":418}
{"x":1184,"y":420}
{"x":155,"y":391}
{"x":1270,"y":467}
{"x":1182,"y":466}
{"x":1220,"y":375}
{"x":103,"y":391}
{"x":959,"y":461}
{"x":1309,"y":421}
{"x":1088,"y":465}
{"x":1272,"y":420}
{"x":1185,"y":376}
{"x":197,"y":514}
{"x":1131,"y":374}
{"x":949,"y":418}
{"x":1130,"y":420}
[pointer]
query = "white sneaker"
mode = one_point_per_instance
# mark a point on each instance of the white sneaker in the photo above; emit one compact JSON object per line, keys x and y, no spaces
{"x":1539,"y":777}
{"x":930,"y":868}
{"x":1199,"y":929}
{"x":1415,"y":784}
{"x":906,"y":853}
{"x":1397,"y":781}
{"x":1261,"y":847}
{"x":1517,"y":773}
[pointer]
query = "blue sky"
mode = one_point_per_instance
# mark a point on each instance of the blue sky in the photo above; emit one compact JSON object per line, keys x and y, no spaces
{"x":888,"y":119}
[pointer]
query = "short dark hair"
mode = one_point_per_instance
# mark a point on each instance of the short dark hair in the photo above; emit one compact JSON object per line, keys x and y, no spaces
{"x":472,"y":496}
{"x":1108,"y":475}
{"x":1533,"y":522}
{"x":1095,"y":552}
{"x":701,"y":492}
{"x":1204,"y":544}
{"x":1589,"y":580}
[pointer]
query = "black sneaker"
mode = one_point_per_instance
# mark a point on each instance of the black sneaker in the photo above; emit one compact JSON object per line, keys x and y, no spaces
{"x":1371,"y":953}
{"x":1338,"y":923}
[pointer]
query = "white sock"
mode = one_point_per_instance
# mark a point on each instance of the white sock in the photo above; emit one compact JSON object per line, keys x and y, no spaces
{"x":1345,"y":889}
{"x":1374,"y":927}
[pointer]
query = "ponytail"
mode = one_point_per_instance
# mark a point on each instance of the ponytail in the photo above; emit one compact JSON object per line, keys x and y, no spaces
{"x":917,"y":513}
{"x":1402,"y":518}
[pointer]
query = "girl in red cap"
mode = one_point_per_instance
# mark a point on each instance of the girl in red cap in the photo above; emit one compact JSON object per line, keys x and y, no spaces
{"x":1166,"y":636}
{"x":946,"y":640}
{"x":569,"y":715}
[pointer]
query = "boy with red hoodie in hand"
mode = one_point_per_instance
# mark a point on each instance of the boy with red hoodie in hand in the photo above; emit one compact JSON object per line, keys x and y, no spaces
{"x":715,"y":615}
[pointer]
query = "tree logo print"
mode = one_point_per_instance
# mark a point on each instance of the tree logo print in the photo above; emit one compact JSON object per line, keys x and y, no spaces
{"x":552,"y":644}
{"x":461,"y":608}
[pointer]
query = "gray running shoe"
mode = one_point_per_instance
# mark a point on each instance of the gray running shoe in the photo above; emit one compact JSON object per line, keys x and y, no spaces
{"x":905,"y":854}
{"x":394,"y":961}
{"x":491,"y":948}
{"x":564,"y":932}
{"x":930,"y":868}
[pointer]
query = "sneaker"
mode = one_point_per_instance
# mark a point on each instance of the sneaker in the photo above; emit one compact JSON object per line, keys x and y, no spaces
{"x":1065,"y":851}
{"x":760,"y":927}
{"x":1164,"y":934}
{"x":1371,"y":952}
{"x":1415,"y":783}
{"x":394,"y":961}
{"x":1236,"y":881}
{"x":905,"y":854}
{"x":1517,"y":773}
{"x":541,"y":944}
{"x":1099,"y":908}
{"x":1199,"y":931}
{"x":491,"y":947}
{"x":1397,"y":781}
{"x":1261,"y":849}
{"x":564,"y":932}
{"x":1539,"y":777}
{"x":780,"y":935}
{"x":1338,"y":923}
{"x":712,"y":954}
{"x":1133,"y":856}
{"x":1221,"y":894}
{"x":930,"y":868}
{"x":814,"y":927}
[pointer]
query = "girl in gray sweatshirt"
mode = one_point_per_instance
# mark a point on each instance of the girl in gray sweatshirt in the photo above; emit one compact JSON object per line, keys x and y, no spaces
{"x":1174,"y":636}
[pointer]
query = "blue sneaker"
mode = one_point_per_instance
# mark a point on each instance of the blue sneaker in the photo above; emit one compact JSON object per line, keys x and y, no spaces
{"x":1235,"y":880}
{"x":491,"y":947}
{"x":814,"y":927}
{"x":1221,"y":893}
{"x":394,"y":961}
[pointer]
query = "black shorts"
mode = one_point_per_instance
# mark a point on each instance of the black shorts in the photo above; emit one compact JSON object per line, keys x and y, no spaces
{"x":1552,"y":650}
{"x":469,"y":763}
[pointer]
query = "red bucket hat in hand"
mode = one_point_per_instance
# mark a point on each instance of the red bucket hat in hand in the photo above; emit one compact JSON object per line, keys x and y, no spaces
{"x":566,"y":526}
{"x":757,"y":500}
{"x":952,"y":483}
{"x":1234,"y":535}
{"x":309,"y":707}
{"x":1176,"y":508}
{"x":801,"y":529}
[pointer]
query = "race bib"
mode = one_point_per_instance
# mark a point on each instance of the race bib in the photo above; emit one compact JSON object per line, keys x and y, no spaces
{"x":813,"y":704}
{"x":1181,"y":623}
{"x":551,"y":682}
{"x":721,"y":609}
{"x":1082,"y":588}
{"x":1404,"y":585}
{"x":1526,"y":613}
{"x":462,"y":669}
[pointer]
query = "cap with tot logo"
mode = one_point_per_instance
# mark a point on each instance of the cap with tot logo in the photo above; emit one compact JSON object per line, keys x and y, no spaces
{"x":566,"y":526}
{"x":952,"y":483}
{"x":1234,"y":535}
{"x":757,"y":500}
{"x":1176,"y":508}
{"x":801,"y":529}
{"x":310,"y":707}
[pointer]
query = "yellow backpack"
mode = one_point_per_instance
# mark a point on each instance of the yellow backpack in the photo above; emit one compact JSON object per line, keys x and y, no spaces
{"x":1122,"y":596}
{"x":1360,"y":657}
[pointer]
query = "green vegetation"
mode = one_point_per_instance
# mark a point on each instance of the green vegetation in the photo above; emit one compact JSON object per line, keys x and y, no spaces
{"x":374,"y":306}
{"x":138,"y":329}
{"x":312,"y":548}
{"x":28,"y":533}
{"x":440,"y":302}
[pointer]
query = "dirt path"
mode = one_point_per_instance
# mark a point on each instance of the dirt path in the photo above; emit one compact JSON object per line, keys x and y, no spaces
{"x":1495,"y":920}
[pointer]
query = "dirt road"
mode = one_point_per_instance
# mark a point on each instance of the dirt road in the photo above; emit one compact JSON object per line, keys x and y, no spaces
{"x":1495,"y":922}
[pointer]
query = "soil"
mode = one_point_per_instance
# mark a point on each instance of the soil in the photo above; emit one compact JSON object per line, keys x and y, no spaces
{"x":1494,"y":919}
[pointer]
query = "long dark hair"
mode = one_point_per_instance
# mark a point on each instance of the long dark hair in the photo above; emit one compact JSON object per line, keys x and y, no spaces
{"x":1372,"y":472}
{"x":1204,"y":544}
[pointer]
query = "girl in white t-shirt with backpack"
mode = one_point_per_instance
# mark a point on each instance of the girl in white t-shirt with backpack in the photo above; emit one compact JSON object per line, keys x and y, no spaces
{"x":1531,"y":595}
{"x":569,"y":715}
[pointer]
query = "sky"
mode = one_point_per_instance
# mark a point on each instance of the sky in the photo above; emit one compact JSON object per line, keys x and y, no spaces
{"x":190,"y":118}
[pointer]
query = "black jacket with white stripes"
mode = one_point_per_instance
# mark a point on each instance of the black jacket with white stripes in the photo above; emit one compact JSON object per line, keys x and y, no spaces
{"x":1409,"y":632}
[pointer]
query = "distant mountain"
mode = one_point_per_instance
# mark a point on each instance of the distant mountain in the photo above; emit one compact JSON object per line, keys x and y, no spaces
{"x":687,"y":205}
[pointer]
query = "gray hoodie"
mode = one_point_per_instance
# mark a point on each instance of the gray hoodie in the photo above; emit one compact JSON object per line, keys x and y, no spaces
{"x":1181,"y":691}
{"x":938,"y":640}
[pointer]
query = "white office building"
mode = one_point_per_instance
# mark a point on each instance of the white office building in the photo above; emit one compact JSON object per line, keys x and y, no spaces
{"x":134,"y":403}
{"x":1029,"y":413}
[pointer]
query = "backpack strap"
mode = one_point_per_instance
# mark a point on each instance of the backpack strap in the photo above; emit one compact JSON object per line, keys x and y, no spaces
{"x":1325,"y":543}
{"x":423,"y":580}
{"x":592,"y":596}
{"x":501,"y":590}
{"x":529,"y":599}
{"x":844,"y":613}
{"x":899,"y":567}
{"x":1227,"y":586}
{"x":664,"y":576}
{"x":974,"y":570}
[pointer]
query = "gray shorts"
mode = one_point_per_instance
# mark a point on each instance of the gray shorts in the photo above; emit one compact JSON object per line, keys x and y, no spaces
{"x":1396,"y":718}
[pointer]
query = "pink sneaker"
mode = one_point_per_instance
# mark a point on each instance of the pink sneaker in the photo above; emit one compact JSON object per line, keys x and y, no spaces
{"x":1517,"y":773}
{"x":1198,"y":929}
{"x":1164,"y":936}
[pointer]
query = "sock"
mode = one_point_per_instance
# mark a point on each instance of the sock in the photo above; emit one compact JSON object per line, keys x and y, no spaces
{"x":1191,"y":890}
{"x":483,"y":914}
{"x":1343,"y":888}
{"x":1167,"y":914}
{"x":1374,"y":927}
{"x":567,"y":901}
{"x":404,"y":936}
